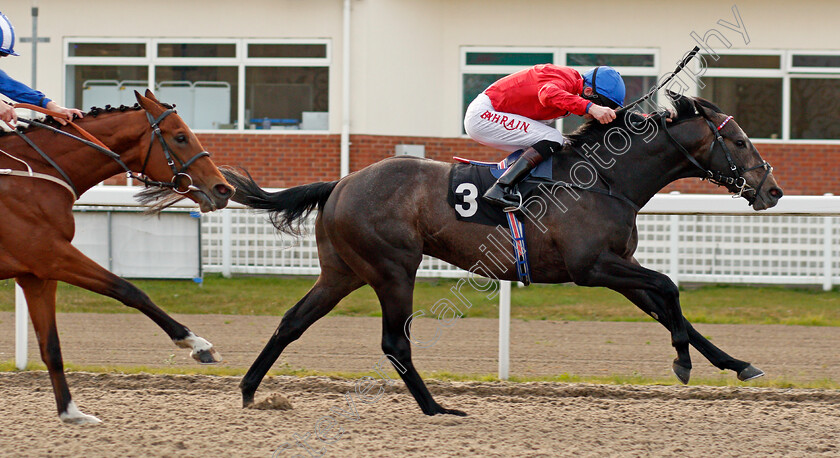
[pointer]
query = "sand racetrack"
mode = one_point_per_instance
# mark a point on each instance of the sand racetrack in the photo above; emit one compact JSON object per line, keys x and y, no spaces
{"x":163,"y":415}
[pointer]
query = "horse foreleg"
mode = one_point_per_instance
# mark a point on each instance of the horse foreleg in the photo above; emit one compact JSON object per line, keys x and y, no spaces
{"x":396,"y":301}
{"x":322,"y":298}
{"x":617,"y":273}
{"x":40,"y":299}
{"x":73,"y":267}
{"x":652,"y":305}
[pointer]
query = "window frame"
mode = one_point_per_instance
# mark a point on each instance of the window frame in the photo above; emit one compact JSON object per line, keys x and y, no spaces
{"x":811,"y":70}
{"x":786,"y":72}
{"x":240,"y":61}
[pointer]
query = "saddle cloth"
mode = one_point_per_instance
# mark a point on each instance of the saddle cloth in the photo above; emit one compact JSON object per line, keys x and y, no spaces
{"x":469,"y":180}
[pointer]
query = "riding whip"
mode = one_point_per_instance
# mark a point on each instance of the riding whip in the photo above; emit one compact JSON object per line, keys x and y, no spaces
{"x":679,"y":68}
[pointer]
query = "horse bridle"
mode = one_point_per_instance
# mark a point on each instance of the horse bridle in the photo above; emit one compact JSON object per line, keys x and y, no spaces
{"x":170,"y":158}
{"x":737,"y":181}
{"x":94,"y":143}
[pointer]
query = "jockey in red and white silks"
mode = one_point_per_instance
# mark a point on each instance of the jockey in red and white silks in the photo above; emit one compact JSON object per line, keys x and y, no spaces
{"x":514,"y":113}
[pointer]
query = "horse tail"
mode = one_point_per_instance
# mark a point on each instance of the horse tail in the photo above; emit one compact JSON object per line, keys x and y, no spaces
{"x":286,"y":209}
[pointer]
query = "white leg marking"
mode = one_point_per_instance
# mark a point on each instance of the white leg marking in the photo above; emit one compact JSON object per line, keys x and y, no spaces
{"x":74,"y":416}
{"x":198,"y":345}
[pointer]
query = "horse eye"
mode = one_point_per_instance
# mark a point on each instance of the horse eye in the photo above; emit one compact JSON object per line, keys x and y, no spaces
{"x":181,"y":138}
{"x":740,"y":143}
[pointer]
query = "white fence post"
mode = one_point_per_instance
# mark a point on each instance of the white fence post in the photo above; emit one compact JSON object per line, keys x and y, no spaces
{"x":227,"y":224}
{"x":21,"y":329}
{"x":674,"y":250}
{"x":504,"y":329}
{"x":827,"y":246}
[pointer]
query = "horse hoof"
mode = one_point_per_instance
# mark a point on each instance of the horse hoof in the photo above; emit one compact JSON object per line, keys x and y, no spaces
{"x":682,"y":373}
{"x":74,"y":416}
{"x":206,"y":356}
{"x":247,"y":400}
{"x":200,"y":349}
{"x":750,"y":372}
{"x":441,"y":411}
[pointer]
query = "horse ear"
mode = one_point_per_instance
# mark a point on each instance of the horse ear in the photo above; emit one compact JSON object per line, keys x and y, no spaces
{"x":702,"y":109}
{"x":151,"y":96}
{"x":145,"y":102}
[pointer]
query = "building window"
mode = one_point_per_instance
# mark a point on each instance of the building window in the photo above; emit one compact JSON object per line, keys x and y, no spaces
{"x":224,"y":84}
{"x":776,"y":94}
{"x":756,"y":103}
{"x":814,"y":95}
{"x":814,"y":108}
{"x":748,"y":87}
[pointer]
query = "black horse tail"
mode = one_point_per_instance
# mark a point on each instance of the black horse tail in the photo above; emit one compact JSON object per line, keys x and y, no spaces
{"x":286,"y":209}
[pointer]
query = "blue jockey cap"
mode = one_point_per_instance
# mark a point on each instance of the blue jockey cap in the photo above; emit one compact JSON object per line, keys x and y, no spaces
{"x":607,"y":82}
{"x":7,"y":36}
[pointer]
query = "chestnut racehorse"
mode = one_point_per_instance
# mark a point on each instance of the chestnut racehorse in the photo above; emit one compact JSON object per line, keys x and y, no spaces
{"x":42,"y":171}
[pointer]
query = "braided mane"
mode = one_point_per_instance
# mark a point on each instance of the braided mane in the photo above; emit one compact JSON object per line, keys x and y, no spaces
{"x":93,"y":112}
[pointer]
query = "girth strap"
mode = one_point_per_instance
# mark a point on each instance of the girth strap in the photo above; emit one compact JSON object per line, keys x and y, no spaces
{"x":43,"y":176}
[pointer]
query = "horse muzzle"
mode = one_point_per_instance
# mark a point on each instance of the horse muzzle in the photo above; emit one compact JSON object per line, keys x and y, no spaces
{"x":211,"y":198}
{"x":767,"y":197}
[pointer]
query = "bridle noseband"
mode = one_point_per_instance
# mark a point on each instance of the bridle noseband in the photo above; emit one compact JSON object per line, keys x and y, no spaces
{"x":737,"y":180}
{"x":170,"y":158}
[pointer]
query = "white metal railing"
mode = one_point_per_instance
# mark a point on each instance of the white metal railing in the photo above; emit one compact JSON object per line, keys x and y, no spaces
{"x":697,"y":238}
{"x":692,"y":238}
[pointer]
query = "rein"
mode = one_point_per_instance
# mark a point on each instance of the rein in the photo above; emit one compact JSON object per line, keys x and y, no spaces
{"x":93,"y":142}
{"x":717,"y":177}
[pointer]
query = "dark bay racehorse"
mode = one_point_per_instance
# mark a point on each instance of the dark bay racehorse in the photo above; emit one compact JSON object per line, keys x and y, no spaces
{"x":36,"y":199}
{"x":374,"y":226}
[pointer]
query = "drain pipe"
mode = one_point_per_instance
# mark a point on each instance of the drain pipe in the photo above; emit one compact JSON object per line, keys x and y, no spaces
{"x":345,"y":94}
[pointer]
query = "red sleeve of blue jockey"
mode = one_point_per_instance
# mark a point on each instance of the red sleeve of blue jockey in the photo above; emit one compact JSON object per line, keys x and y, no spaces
{"x":561,"y":89}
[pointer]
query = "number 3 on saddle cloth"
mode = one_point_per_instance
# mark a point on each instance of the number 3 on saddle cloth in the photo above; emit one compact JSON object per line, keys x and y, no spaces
{"x":467,"y":183}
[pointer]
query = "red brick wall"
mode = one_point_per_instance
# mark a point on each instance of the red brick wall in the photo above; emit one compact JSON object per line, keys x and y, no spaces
{"x":287,"y":159}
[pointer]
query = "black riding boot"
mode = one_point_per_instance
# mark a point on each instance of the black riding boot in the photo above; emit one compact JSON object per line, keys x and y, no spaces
{"x":501,"y":193}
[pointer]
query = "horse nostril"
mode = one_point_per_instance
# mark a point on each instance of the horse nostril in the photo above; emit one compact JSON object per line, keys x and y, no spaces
{"x":223,"y":190}
{"x":776,"y":193}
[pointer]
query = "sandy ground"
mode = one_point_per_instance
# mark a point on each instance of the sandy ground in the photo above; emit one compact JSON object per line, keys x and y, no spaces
{"x":148,"y":415}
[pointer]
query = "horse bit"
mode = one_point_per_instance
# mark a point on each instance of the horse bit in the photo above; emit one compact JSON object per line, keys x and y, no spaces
{"x":717,"y":177}
{"x":94,"y":143}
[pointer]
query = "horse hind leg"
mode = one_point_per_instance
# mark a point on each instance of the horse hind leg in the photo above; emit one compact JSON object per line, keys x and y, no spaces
{"x":328,"y":290}
{"x":40,"y":299}
{"x":77,"y":269}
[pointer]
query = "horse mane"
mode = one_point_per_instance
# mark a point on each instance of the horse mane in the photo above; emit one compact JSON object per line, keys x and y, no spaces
{"x":593,"y":132}
{"x":93,"y":112}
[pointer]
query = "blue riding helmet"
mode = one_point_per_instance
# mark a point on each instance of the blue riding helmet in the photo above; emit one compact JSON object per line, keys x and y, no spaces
{"x":607,"y":82}
{"x":7,"y":36}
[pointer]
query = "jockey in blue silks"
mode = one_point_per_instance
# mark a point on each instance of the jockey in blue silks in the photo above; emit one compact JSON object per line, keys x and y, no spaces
{"x":18,"y":91}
